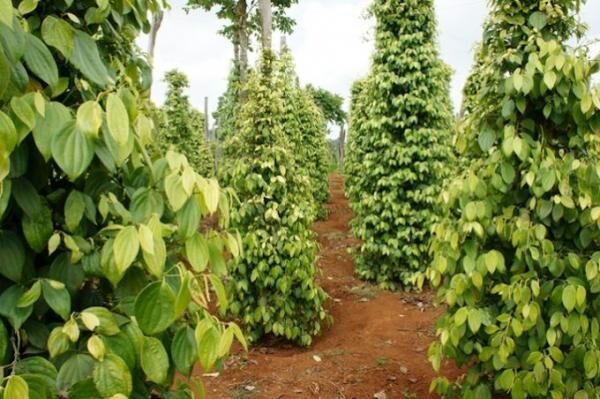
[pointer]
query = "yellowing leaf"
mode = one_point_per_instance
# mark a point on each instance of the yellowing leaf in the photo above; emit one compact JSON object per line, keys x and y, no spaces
{"x":126,"y":248}
{"x":117,"y":119}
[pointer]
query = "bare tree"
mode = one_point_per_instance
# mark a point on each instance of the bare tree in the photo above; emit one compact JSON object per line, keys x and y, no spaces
{"x":342,"y":144}
{"x":242,"y":38}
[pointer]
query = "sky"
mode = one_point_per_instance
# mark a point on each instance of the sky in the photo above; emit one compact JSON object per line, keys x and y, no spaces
{"x":332,"y":45}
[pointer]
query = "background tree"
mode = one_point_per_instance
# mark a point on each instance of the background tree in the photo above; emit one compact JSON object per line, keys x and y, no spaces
{"x":183,"y":125}
{"x":517,"y":255}
{"x":404,"y":144}
{"x":331,"y":106}
{"x":102,"y":272}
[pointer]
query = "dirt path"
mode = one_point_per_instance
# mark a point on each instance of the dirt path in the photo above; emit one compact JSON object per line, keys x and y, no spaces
{"x":378,"y":341}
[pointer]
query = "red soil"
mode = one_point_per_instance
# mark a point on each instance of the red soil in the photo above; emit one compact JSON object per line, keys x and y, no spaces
{"x":376,"y":348}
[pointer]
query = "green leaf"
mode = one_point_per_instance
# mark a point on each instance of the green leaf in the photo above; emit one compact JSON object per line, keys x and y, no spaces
{"x":487,"y":137}
{"x":117,"y":119}
{"x":538,"y":20}
{"x":59,"y":34}
{"x":569,"y":297}
{"x":57,"y":297}
{"x":184,"y":350}
{"x":217,"y":261}
{"x":58,"y":342}
{"x":508,"y":172}
{"x":207,"y":341}
{"x":550,"y":79}
{"x":27,"y":6}
{"x":55,"y":119}
{"x":87,"y":59}
{"x":24,"y":111}
{"x":220,"y":291}
{"x":155,"y":308}
{"x":6,"y":12}
{"x":89,"y":118}
{"x":4,"y":342}
{"x":126,"y":248}
{"x":73,"y":151}
{"x":74,"y":210}
{"x":78,"y":367}
{"x":101,"y":319}
{"x":40,"y":61}
{"x":12,"y":256}
{"x":505,"y":380}
{"x":16,"y":388}
{"x":30,"y":296}
{"x":474,"y":320}
{"x":196,"y":250}
{"x":154,"y":360}
{"x":8,"y":134}
{"x":112,"y":377}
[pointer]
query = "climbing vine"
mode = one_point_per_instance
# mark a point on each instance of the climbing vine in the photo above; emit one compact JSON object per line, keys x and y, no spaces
{"x":516,"y":257}
{"x":104,"y":273}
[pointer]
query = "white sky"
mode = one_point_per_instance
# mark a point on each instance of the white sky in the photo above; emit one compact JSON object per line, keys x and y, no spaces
{"x":332,"y":44}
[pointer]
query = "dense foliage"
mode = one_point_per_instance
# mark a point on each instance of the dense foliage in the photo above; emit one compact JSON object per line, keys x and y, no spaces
{"x":402,"y":141}
{"x":306,"y":130}
{"x":227,"y":108}
{"x":273,"y":283}
{"x":104,"y":276}
{"x":330,"y":104}
{"x":183,"y":126}
{"x":517,"y":256}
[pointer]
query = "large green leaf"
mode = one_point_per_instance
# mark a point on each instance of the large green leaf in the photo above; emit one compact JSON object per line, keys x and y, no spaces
{"x":12,"y":256}
{"x":196,"y":250}
{"x":154,"y":360}
{"x":40,"y":61}
{"x":112,"y":377}
{"x":56,"y":117}
{"x":126,"y":248}
{"x":155,"y":308}
{"x":57,"y":297}
{"x":184,"y":350}
{"x":74,"y":210}
{"x":72,"y":150}
{"x":76,"y":368}
{"x":59,"y":34}
{"x":38,"y":229}
{"x":4,"y":342}
{"x":87,"y":59}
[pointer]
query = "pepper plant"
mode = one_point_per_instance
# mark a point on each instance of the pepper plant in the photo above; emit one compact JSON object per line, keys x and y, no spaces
{"x":402,"y":145}
{"x":516,"y":258}
{"x":305,"y":126}
{"x":105,"y":276}
{"x":183,"y":126}
{"x":273,"y":286}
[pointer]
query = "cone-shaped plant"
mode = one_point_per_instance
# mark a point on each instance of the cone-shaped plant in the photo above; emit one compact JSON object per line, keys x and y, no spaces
{"x":305,"y":126}
{"x":273,"y":285}
{"x":184,"y":126}
{"x":517,"y":256}
{"x":227,"y":108}
{"x":403,"y":146}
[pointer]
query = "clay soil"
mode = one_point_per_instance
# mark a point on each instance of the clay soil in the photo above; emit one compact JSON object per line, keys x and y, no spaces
{"x":376,"y":348}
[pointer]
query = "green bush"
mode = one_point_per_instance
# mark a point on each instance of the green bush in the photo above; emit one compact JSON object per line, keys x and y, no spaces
{"x":402,"y":140}
{"x":273,"y":287}
{"x":517,"y":255}
{"x":183,"y":126}
{"x":103,"y":271}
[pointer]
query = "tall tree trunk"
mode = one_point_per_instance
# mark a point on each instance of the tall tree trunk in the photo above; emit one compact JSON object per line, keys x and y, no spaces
{"x":283,"y":47}
{"x":342,"y":144}
{"x":266,"y":14}
{"x":156,"y":23}
{"x":157,"y":19}
{"x":242,"y":38}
